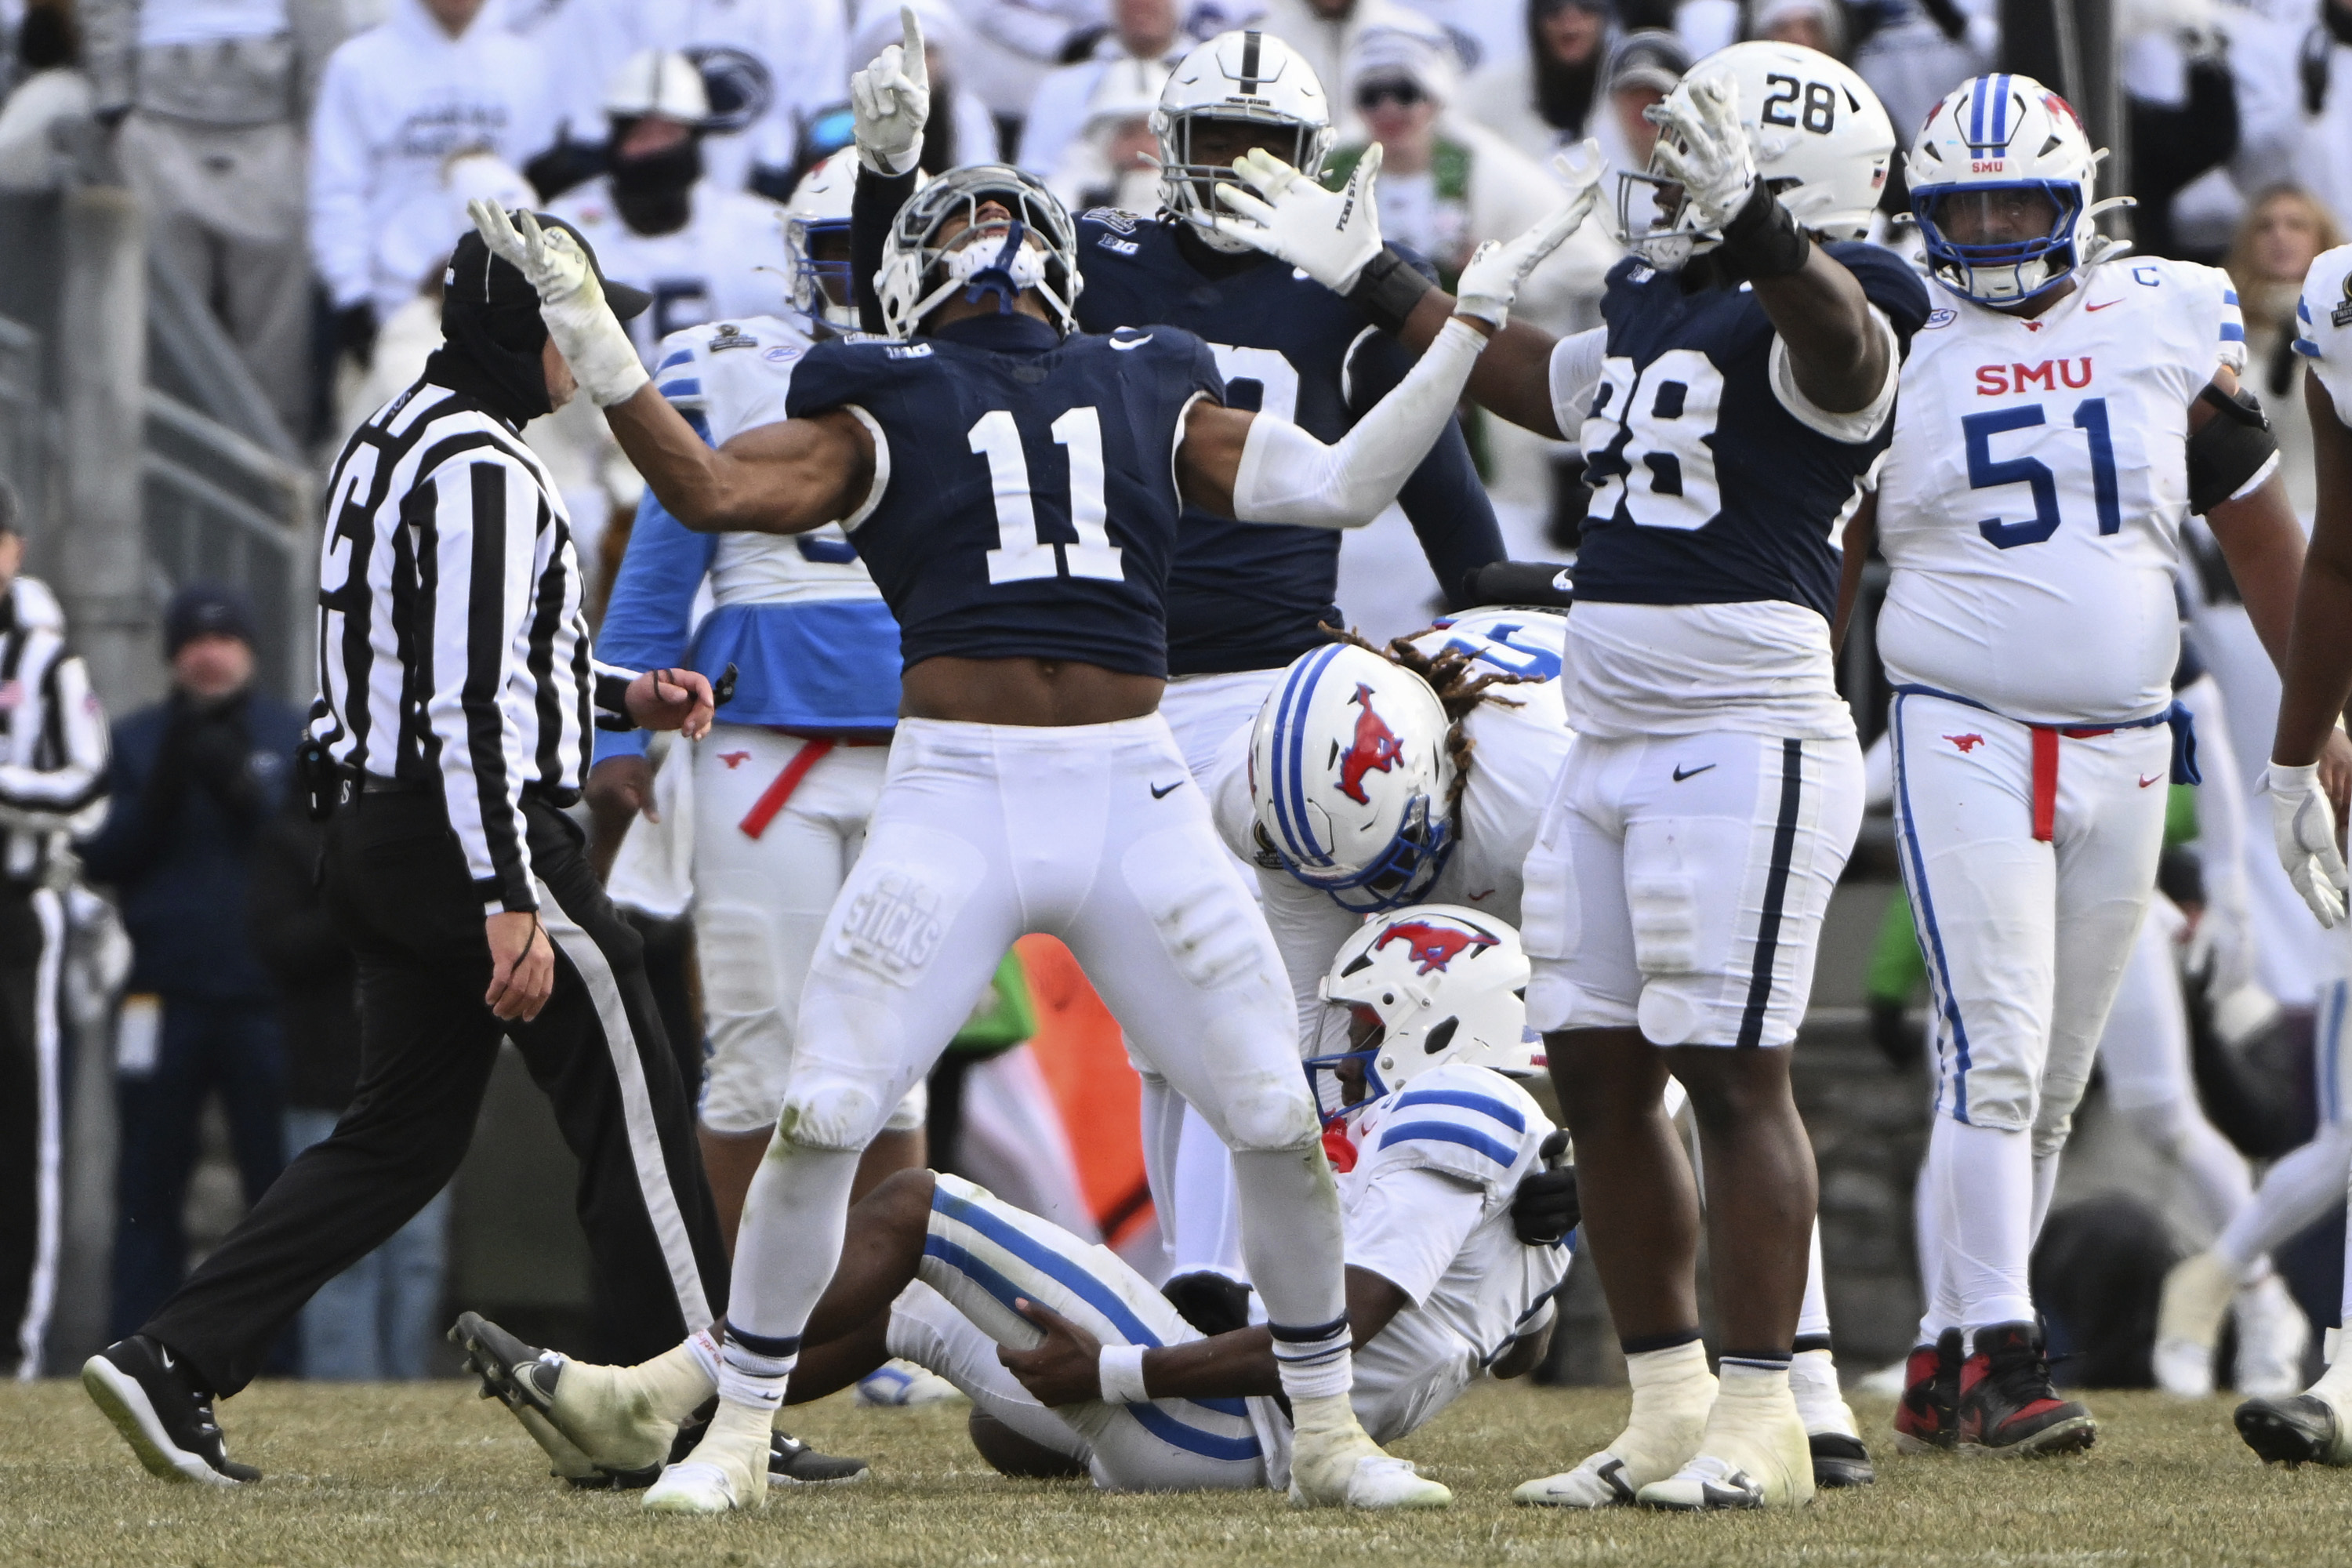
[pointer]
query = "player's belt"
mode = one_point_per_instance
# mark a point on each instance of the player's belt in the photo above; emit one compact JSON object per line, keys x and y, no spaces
{"x":2045,"y":738}
{"x":775,"y":798}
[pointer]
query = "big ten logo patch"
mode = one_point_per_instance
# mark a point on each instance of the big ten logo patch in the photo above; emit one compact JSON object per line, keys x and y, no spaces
{"x":893,"y":925}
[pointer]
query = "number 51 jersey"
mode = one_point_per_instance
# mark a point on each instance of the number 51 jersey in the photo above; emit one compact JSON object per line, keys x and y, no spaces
{"x":1024,"y":501}
{"x":2032,"y":502}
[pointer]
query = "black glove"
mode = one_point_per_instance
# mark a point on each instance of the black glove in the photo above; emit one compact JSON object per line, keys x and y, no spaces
{"x":1545,"y":1209}
{"x":355,"y":332}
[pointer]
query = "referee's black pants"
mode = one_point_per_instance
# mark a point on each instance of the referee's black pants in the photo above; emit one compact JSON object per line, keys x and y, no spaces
{"x":32,"y":1119}
{"x":397,"y":888}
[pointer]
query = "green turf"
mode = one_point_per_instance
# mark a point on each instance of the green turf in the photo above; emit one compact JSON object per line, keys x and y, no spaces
{"x":427,"y":1474}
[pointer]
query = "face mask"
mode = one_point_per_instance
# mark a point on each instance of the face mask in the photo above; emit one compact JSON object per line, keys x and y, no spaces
{"x":654,"y":193}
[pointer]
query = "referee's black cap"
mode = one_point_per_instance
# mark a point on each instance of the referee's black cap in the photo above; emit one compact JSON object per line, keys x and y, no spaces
{"x":478,"y":276}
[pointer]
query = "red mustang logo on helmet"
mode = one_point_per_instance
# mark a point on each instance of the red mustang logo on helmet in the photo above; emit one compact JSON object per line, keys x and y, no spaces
{"x":1375,"y":749}
{"x":1433,"y":946}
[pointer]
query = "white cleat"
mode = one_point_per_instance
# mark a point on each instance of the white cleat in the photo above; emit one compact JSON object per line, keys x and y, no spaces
{"x":1672,"y":1396}
{"x":726,"y":1472}
{"x":1335,"y":1464}
{"x":2189,"y":1315}
{"x":1749,"y":1458}
{"x":2272,"y":1335}
{"x":1602,"y":1481}
{"x":901,"y":1383}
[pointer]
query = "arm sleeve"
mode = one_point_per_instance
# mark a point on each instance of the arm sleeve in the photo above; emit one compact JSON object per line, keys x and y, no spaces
{"x":1445,"y":499}
{"x":1409,"y":1227}
{"x":339,"y":231}
{"x":481,"y":517}
{"x":74,"y":745}
{"x":874,"y":202}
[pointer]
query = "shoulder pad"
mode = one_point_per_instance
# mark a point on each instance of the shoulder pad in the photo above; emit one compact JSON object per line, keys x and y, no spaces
{"x":1465,"y":1121}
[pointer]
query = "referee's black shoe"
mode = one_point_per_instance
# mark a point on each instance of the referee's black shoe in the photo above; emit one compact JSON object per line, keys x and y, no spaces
{"x":145,"y":1391}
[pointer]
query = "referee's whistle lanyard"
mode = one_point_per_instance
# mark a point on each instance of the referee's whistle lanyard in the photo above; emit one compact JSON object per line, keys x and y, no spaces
{"x":2045,"y":749}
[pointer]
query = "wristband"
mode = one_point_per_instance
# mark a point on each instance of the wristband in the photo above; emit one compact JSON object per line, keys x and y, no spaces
{"x":1763,"y":237}
{"x":1120,"y":1367}
{"x":1387,"y":289}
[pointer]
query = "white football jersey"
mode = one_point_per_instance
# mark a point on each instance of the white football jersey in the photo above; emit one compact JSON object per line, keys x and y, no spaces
{"x":1427,"y":1208}
{"x":2032,"y":502}
{"x":2323,"y":323}
{"x":728,"y":261}
{"x":733,"y":376}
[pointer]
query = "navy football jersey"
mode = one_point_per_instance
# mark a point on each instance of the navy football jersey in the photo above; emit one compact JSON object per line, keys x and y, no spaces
{"x":1024,"y":494}
{"x":1246,"y":596}
{"x":1707,"y":490}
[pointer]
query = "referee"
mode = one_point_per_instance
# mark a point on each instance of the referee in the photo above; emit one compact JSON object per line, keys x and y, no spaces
{"x":458,"y":687}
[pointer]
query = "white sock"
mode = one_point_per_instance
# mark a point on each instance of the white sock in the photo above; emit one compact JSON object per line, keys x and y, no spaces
{"x":794,"y":1217}
{"x":1208,"y":1218}
{"x":1752,"y":1390}
{"x":1940,"y":1309}
{"x":703,"y":1345}
{"x":753,"y":1372}
{"x":1291,"y":1235}
{"x":1164,"y":1126}
{"x":1984,"y":1180}
{"x":2295,"y":1193}
{"x":2045,"y":1188}
{"x":1812,"y":1378}
{"x":1814,"y":1316}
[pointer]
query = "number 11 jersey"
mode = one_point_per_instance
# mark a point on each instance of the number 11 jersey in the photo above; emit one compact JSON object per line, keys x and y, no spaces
{"x":2032,"y":502}
{"x":1024,"y":501}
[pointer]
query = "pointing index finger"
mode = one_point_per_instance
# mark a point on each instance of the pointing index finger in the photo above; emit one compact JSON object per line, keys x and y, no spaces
{"x":910,"y":29}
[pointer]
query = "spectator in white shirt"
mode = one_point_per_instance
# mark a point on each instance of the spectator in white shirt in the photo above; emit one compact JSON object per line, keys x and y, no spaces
{"x":398,"y":102}
{"x":50,"y":91}
{"x":1549,"y":94}
{"x":1114,"y":160}
{"x":1143,"y":30}
{"x":1326,"y":32}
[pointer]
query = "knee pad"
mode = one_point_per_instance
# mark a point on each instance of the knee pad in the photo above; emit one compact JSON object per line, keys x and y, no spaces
{"x":1206,"y":920}
{"x":1269,"y":1119}
{"x":738,"y":961}
{"x":833,"y":1112}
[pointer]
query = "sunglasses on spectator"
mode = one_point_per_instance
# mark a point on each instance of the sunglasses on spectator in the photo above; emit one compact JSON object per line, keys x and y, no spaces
{"x":1404,"y":94}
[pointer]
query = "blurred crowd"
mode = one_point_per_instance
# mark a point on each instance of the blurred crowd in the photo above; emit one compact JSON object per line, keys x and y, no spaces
{"x":306,"y":165}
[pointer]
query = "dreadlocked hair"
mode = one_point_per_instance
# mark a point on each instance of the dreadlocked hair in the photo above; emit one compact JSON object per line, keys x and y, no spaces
{"x":1454,"y":674}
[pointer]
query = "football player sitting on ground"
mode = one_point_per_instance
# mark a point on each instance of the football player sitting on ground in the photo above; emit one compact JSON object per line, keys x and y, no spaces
{"x":1033,"y":785}
{"x":1422,"y":775}
{"x":1076,"y":1364}
{"x":1729,"y":411}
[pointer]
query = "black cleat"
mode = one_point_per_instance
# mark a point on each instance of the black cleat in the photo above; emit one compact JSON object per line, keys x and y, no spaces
{"x":522,"y":1377}
{"x":1209,"y":1301}
{"x":791,"y":1462}
{"x":1840,"y":1460}
{"x":2301,"y":1429}
{"x":145,"y":1389}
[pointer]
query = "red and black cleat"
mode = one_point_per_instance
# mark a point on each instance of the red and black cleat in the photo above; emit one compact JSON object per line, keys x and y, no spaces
{"x":1928,"y":1420}
{"x":2007,"y":1408}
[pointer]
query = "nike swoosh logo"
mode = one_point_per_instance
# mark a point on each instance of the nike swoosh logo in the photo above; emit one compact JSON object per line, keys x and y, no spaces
{"x":1488,"y":894}
{"x":1680,"y":774}
{"x":1128,"y":344}
{"x":2102,"y":305}
{"x":2145,"y":783}
{"x":1162,"y":792}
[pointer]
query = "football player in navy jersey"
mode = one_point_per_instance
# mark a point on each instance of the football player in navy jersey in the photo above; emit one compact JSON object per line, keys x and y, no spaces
{"x":1243,"y":600}
{"x":1729,"y":411}
{"x":1032,"y":784}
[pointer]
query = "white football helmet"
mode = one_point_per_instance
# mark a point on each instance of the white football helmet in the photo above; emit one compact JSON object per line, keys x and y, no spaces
{"x":1038,"y":249}
{"x":1249,"y":76}
{"x":2001,"y":136}
{"x":1349,"y":778}
{"x":1428,"y":985}
{"x":816,"y":238}
{"x":1822,"y":144}
{"x":658,"y":81}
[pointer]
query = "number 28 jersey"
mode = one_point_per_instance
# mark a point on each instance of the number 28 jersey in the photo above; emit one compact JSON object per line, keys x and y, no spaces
{"x":1024,"y":501}
{"x":2032,"y":502}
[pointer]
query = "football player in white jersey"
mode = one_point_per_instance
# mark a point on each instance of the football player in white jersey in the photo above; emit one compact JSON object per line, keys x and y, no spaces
{"x":2307,"y":806}
{"x":1075,"y":1353}
{"x":1422,"y":776}
{"x":704,"y":251}
{"x":1729,"y":411}
{"x":2060,"y":416}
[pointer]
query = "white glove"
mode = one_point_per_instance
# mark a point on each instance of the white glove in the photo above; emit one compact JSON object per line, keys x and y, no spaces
{"x":1491,"y":279}
{"x":2304,"y":826}
{"x":571,"y":301}
{"x":1327,"y":234}
{"x":1702,"y":148}
{"x":891,"y":100}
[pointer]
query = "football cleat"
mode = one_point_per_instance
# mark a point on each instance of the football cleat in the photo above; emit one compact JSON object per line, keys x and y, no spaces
{"x":145,"y":1389}
{"x":2302,"y":1429}
{"x":2272,"y":1335}
{"x":524,"y":1379}
{"x":1840,"y":1460}
{"x":2007,"y":1408}
{"x":1335,"y":1464}
{"x":1926,"y":1418}
{"x":1671,"y":1402}
{"x":1755,"y":1454}
{"x":728,"y":1470}
{"x":901,"y":1383}
{"x":1706,"y":1483}
{"x":791,"y":1462}
{"x":2188,"y":1325}
{"x":1602,"y":1480}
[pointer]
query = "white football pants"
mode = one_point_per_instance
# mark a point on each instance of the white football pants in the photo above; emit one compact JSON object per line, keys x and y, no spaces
{"x":764,"y":878}
{"x":984,"y":833}
{"x":2026,"y":941}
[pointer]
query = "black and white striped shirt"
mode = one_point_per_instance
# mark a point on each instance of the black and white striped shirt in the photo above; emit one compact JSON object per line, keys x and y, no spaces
{"x":452,"y":648}
{"x":53,"y":741}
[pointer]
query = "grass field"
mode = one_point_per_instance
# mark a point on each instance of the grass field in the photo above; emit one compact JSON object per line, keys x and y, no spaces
{"x":424,"y":1473}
